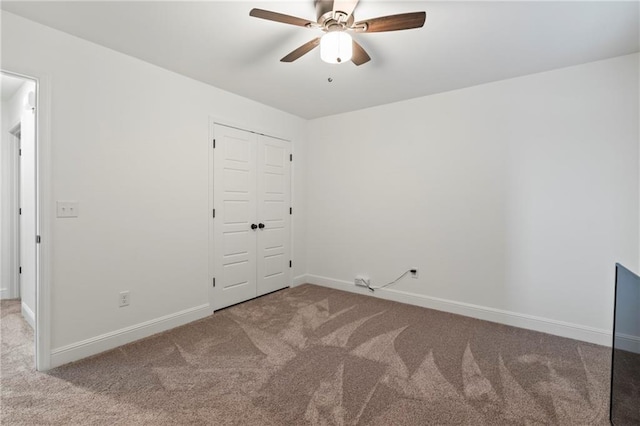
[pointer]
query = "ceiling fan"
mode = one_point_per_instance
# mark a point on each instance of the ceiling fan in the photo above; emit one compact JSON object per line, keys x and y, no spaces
{"x":335,"y":18}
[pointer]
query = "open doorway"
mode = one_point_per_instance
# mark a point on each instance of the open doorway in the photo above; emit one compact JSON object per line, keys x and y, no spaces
{"x":18,"y":214}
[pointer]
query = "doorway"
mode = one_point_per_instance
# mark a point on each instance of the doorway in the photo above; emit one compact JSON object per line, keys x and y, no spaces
{"x":18,"y":191}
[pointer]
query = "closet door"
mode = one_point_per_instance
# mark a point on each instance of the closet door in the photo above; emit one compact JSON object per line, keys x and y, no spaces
{"x":274,"y":201}
{"x":234,"y":198}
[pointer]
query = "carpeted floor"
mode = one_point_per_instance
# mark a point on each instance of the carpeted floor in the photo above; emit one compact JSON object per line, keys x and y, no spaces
{"x":313,"y":355}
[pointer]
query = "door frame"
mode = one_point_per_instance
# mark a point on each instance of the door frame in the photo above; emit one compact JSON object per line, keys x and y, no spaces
{"x":210,"y":187}
{"x":43,"y":212}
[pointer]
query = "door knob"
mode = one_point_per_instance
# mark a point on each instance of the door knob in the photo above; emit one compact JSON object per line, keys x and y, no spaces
{"x":261,"y":225}
{"x":254,"y":226}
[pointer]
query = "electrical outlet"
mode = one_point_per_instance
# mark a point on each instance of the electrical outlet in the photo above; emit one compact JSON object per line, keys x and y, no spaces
{"x":66,"y":209}
{"x":361,"y":281}
{"x":124,"y":298}
{"x":414,"y":273}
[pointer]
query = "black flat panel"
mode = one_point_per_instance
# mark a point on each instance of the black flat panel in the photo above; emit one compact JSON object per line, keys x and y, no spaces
{"x":625,"y":363}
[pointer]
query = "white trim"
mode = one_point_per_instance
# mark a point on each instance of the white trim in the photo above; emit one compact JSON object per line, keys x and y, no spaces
{"x":299,"y":280}
{"x":210,"y":243}
{"x":28,"y":315}
{"x":5,"y":293}
{"x":107,"y":341}
{"x":249,"y":126}
{"x":627,"y":342}
{"x":515,"y":319}
{"x":44,"y":210}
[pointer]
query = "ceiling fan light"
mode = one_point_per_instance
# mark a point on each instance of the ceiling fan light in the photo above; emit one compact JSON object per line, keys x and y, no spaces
{"x":336,"y":47}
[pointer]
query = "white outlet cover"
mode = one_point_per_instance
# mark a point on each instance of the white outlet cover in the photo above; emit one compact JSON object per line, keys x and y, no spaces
{"x":66,"y":209}
{"x":124,"y":299}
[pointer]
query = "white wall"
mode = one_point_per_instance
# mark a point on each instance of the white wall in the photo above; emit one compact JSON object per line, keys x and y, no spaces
{"x":129,"y":142}
{"x":514,"y":199}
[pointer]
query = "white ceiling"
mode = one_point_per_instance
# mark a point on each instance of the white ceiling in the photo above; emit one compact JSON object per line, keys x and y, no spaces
{"x":9,"y":86}
{"x":462,"y":44}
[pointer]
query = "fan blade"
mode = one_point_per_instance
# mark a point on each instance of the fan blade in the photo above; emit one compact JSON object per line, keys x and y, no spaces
{"x":359,"y":55}
{"x":279,"y":17}
{"x":403,"y":21}
{"x":305,"y":48}
{"x":345,"y":6}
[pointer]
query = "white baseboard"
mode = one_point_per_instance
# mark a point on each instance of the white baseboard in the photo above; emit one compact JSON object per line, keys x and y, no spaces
{"x":530,"y":322}
{"x":98,"y":344}
{"x":4,"y":293}
{"x":300,"y":279}
{"x":28,"y":315}
{"x":628,"y":342}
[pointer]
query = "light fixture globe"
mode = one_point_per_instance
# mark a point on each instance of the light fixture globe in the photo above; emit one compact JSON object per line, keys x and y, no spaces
{"x":336,"y":47}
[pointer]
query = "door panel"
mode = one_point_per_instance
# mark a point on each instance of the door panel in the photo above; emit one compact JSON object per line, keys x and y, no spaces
{"x":234,"y":176}
{"x":274,"y":200}
{"x":272,"y":238}
{"x":237,"y":211}
{"x":273,"y":265}
{"x":235,"y":243}
{"x":273,"y":183}
{"x":237,"y":180}
{"x":235,"y":274}
{"x":273,"y":210}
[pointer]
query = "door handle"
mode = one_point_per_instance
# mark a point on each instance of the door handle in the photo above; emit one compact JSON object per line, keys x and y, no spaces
{"x":254,"y":226}
{"x":261,"y":225}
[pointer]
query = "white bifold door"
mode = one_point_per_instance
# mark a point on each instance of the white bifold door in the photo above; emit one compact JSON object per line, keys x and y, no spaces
{"x":251,"y":223}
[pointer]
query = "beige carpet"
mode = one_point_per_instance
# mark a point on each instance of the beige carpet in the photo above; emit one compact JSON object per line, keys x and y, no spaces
{"x":312,"y":355}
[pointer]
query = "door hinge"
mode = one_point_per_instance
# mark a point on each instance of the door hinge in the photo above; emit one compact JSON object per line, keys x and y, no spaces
{"x":214,"y":282}
{"x":20,"y":152}
{"x":38,"y":239}
{"x":20,"y":211}
{"x":290,"y":210}
{"x":214,"y":144}
{"x":290,"y":264}
{"x":214,"y":213}
{"x":290,"y":157}
{"x":20,"y":270}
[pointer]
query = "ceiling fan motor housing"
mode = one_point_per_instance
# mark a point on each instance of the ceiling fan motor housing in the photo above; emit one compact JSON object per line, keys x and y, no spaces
{"x":323,"y":7}
{"x":330,"y":20}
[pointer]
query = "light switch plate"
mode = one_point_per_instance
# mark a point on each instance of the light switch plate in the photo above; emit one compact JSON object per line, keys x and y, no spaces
{"x":67,"y":209}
